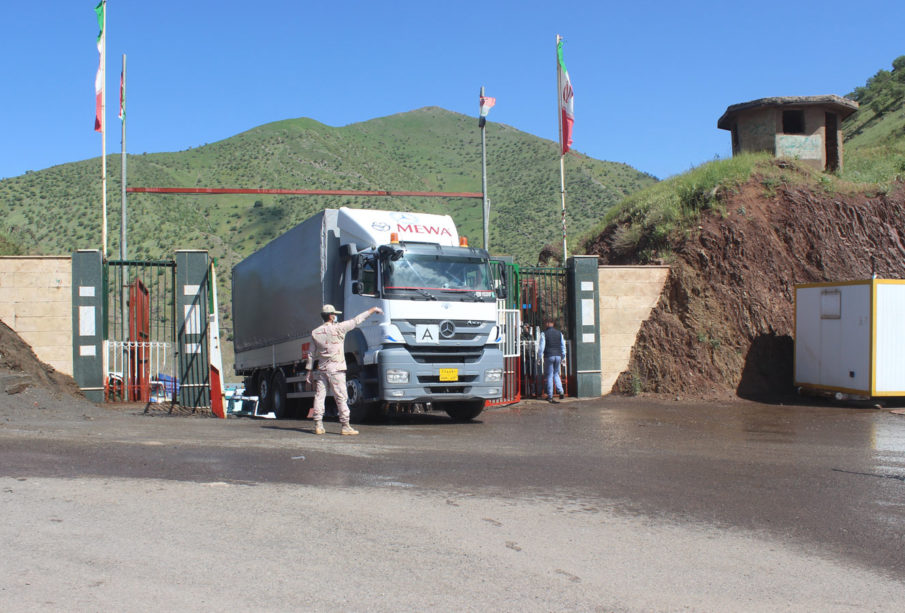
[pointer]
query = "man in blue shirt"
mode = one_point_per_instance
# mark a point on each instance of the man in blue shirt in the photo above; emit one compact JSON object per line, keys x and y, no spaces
{"x":552,"y":347}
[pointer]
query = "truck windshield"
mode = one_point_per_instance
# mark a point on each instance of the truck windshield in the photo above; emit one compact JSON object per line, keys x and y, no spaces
{"x":441,"y":273}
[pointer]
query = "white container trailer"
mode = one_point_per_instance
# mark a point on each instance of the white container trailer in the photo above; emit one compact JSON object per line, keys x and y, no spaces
{"x":850,"y":337}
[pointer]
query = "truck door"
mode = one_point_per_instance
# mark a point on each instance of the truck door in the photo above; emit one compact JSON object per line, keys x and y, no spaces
{"x":363,"y":289}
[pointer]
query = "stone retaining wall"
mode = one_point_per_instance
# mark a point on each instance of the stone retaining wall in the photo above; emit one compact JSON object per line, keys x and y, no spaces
{"x":36,"y":302}
{"x":627,"y":296}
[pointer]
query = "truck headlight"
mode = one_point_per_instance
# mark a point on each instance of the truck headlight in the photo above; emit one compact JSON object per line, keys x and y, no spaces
{"x":494,"y":374}
{"x":395,"y":375}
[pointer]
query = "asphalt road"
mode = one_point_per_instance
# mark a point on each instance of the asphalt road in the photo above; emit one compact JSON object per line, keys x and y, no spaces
{"x":614,"y":504}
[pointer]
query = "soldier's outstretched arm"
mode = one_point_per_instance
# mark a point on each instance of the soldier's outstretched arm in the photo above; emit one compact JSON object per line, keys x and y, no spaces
{"x":364,"y":315}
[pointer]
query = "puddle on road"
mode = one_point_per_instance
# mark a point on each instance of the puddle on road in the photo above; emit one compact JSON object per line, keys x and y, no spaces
{"x":889,"y":437}
{"x":385,"y":481}
{"x":888,"y":442}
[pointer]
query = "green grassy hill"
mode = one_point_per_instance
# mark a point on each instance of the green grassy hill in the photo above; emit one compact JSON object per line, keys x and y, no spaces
{"x":875,"y":135}
{"x":428,"y":149}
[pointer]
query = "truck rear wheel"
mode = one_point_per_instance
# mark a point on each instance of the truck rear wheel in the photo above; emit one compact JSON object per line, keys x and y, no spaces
{"x":265,"y":392}
{"x":464,"y":411}
{"x":278,"y":400}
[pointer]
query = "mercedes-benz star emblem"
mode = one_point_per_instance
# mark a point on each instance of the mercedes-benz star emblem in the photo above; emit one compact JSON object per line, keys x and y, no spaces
{"x":447,"y":329}
{"x":404,"y":217}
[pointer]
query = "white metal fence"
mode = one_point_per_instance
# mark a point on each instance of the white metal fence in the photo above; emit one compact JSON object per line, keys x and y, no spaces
{"x":140,"y":372}
{"x":510,"y":321}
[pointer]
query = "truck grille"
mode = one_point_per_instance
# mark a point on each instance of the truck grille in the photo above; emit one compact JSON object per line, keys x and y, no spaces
{"x":450,"y":355}
{"x":458,"y":336}
{"x":449,"y":389}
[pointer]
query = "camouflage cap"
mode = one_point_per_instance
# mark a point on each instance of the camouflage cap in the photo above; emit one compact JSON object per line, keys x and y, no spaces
{"x":328,"y":309}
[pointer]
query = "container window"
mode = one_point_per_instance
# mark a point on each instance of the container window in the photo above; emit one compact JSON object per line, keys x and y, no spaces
{"x":831,"y":304}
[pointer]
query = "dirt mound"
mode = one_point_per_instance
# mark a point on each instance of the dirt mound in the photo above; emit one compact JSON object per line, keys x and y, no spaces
{"x":725,"y":320}
{"x":20,"y":369}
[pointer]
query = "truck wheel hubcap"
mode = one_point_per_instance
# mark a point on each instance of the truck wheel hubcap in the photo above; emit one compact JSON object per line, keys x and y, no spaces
{"x":354,"y":391}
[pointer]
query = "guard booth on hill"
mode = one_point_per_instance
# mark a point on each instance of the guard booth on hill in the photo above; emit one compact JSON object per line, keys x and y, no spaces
{"x":569,"y":295}
{"x":806,"y":128}
{"x":141,"y":328}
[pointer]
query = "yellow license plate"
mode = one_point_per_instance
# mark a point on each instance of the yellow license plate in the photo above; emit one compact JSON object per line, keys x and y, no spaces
{"x":449,"y":374}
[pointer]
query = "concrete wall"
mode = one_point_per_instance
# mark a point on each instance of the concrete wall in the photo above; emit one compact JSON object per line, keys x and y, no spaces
{"x":36,"y":302}
{"x":627,"y":296}
{"x":808,"y":147}
{"x":757,"y":130}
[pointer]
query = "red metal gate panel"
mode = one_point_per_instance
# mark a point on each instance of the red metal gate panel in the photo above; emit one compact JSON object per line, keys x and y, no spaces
{"x":138,"y":381}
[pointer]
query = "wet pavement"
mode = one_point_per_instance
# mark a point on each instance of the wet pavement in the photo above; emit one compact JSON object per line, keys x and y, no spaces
{"x":827,"y":480}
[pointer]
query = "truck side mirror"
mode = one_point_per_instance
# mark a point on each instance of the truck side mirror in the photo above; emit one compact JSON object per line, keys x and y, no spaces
{"x":502,"y":291}
{"x":387,"y":252}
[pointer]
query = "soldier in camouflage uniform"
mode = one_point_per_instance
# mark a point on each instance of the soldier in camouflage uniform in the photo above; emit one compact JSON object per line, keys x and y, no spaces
{"x":331,"y":370}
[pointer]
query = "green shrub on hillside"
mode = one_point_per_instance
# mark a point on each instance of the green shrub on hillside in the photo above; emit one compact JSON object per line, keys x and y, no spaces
{"x":877,"y":165}
{"x":875,"y":134}
{"x":649,"y":217}
{"x":885,"y":90}
{"x":8,"y":247}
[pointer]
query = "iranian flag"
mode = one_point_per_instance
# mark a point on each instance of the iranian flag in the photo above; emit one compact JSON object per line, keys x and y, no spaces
{"x":100,"y":9}
{"x":566,"y":109}
{"x":122,"y":92}
{"x":486,"y":104}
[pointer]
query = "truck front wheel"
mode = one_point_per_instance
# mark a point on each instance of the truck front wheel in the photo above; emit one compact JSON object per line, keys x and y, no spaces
{"x":360,"y":409}
{"x":464,"y":411}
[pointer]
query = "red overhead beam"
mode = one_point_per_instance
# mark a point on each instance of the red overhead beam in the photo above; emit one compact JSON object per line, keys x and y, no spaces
{"x":296,"y":192}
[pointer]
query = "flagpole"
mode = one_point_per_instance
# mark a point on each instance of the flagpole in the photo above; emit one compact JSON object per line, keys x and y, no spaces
{"x":122,"y":223}
{"x":562,"y":156}
{"x":486,"y":207}
{"x":104,"y":135}
{"x":122,"y":218}
{"x":562,"y":193}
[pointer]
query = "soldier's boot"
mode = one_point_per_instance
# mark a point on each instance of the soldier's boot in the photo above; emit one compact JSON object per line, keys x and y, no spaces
{"x":348,"y":430}
{"x":319,"y":427}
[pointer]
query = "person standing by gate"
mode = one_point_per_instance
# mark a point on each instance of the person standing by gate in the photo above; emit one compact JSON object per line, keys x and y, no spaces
{"x":331,"y":368}
{"x":552,"y":347}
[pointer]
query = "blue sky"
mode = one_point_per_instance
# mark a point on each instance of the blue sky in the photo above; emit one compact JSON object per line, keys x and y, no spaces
{"x":651,"y":78}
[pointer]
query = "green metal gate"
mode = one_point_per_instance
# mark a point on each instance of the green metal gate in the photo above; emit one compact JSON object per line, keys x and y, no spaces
{"x":543,"y":294}
{"x":535,"y":293}
{"x":140,"y":348}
